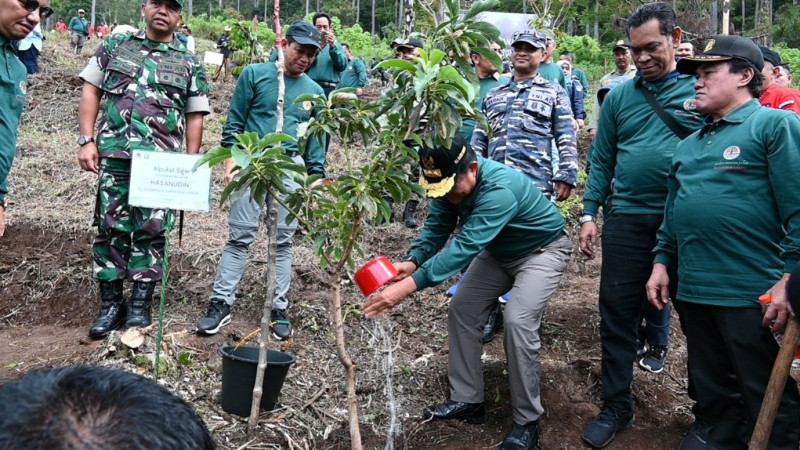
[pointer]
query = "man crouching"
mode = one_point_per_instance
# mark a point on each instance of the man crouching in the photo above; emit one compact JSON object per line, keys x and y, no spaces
{"x":514,"y":237}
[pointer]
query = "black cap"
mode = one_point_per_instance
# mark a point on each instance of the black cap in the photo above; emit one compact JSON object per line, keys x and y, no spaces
{"x":410,"y":42}
{"x":724,"y":48}
{"x":304,"y":33}
{"x":439,"y":166}
{"x":771,"y":56}
{"x":622,"y":43}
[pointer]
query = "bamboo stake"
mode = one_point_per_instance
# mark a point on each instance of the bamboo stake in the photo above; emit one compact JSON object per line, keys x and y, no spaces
{"x":263,"y":342}
{"x":777,"y":383}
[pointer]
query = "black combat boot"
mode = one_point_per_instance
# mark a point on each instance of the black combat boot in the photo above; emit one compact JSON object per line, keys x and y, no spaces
{"x":140,"y":308}
{"x":112,"y":309}
{"x":408,"y":214}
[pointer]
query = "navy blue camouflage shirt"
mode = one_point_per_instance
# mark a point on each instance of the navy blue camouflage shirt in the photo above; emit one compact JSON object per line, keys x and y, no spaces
{"x":525,"y":117}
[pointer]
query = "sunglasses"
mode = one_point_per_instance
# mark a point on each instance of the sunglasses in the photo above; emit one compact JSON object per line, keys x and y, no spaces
{"x":33,"y":5}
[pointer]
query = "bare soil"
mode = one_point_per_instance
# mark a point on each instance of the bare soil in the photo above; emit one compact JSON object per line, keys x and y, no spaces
{"x":48,"y":301}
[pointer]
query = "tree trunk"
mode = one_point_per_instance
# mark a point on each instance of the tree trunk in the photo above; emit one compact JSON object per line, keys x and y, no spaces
{"x":743,"y":17}
{"x":94,"y":8}
{"x":373,"y":18}
{"x":189,"y":9}
{"x":596,"y":21}
{"x":409,"y":21}
{"x":713,"y":24}
{"x":344,"y":358}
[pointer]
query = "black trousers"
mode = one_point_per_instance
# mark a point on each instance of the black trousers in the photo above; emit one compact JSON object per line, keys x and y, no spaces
{"x":628,"y":241}
{"x":732,"y":357}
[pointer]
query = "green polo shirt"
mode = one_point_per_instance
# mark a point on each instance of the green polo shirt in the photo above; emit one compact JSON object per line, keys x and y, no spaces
{"x":486,"y":85}
{"x":634,"y":147}
{"x":355,"y":75}
{"x":733,"y":211}
{"x":505,"y":215}
{"x":255,"y":103}
{"x":13,"y":88}
{"x":552,"y":72}
{"x":329,"y":64}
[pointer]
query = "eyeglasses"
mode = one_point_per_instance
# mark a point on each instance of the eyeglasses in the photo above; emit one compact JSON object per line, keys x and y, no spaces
{"x":33,"y":5}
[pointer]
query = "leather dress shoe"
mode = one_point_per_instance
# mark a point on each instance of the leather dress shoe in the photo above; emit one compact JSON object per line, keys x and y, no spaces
{"x":522,"y":437}
{"x":468,"y":412}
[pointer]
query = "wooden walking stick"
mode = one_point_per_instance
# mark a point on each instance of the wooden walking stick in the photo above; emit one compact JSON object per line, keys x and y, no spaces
{"x":777,"y":382}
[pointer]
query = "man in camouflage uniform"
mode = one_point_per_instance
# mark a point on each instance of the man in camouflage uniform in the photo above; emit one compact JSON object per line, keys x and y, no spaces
{"x":526,"y":116}
{"x":156,"y":92}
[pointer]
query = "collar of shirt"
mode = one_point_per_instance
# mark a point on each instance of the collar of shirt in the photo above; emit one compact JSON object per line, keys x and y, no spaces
{"x":737,"y":116}
{"x":175,"y":44}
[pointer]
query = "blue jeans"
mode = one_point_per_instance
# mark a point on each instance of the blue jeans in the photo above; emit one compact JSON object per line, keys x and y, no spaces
{"x":628,"y":241}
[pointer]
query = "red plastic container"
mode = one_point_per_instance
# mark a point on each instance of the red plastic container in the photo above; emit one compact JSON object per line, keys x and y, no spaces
{"x":375,"y":274}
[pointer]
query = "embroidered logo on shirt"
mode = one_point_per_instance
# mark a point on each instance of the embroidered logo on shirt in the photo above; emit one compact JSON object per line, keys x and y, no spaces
{"x":731,"y":153}
{"x":690,"y":105}
{"x":307,"y":105}
{"x":23,"y":86}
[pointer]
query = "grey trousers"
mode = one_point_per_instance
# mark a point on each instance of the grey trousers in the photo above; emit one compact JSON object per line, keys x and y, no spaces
{"x":532,"y":279}
{"x":78,"y":40}
{"x":244,"y":219}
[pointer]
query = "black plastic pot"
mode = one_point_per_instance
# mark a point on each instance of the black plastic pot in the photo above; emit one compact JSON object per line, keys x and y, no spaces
{"x":239,"y":377}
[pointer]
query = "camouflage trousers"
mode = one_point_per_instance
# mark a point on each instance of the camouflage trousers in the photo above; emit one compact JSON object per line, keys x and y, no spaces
{"x":130,"y":240}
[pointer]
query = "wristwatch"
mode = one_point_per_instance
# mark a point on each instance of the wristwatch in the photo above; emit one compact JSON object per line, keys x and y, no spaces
{"x":413,"y":259}
{"x":83,"y":140}
{"x":587,"y":218}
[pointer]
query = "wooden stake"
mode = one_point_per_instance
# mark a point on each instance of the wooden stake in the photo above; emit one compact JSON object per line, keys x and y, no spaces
{"x":777,"y":383}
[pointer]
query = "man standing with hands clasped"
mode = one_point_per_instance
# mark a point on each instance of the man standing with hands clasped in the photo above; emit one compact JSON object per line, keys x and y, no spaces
{"x":514,"y":236}
{"x":732,"y":228}
{"x":155,"y":94}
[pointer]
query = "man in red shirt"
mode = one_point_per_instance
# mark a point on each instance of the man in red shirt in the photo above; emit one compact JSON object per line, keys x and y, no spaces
{"x":773,"y":95}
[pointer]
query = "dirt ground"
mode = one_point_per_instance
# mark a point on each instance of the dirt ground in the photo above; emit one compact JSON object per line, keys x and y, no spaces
{"x":48,"y":301}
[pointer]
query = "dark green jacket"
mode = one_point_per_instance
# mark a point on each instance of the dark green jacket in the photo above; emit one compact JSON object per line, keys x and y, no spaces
{"x":355,"y":75}
{"x":505,"y":215}
{"x":634,"y":147}
{"x":732,"y":218}
{"x":255,"y":103}
{"x":13,"y":89}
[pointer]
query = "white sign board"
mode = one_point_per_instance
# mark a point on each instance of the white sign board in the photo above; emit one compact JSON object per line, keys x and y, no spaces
{"x":213,"y":58}
{"x":165,"y":180}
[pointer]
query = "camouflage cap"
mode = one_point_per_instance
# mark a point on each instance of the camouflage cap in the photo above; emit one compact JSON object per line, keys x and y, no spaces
{"x":622,"y":43}
{"x":533,"y":37}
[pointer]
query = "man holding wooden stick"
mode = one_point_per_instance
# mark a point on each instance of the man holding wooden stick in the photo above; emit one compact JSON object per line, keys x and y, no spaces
{"x":732,"y":229}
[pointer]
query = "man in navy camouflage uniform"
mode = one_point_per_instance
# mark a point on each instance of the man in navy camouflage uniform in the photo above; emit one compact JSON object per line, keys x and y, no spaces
{"x":155,"y":93}
{"x":526,"y":116}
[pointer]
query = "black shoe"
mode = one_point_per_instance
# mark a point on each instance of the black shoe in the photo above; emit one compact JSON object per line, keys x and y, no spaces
{"x":697,"y":437}
{"x":468,"y":412}
{"x":140,"y":309}
{"x":281,"y":327}
{"x":493,"y":324}
{"x":602,"y":430}
{"x":654,"y":358}
{"x":408,"y":214}
{"x":218,"y":315}
{"x":522,"y":437}
{"x":112,"y":309}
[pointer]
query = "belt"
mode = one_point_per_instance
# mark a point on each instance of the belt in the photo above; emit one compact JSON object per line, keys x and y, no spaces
{"x":327,"y":83}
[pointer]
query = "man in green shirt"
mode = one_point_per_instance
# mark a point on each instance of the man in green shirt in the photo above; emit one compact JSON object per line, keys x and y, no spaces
{"x":253,"y":109}
{"x":514,"y":236}
{"x":79,"y":29}
{"x":16,"y":22}
{"x":732,"y":228}
{"x":355,"y":75}
{"x":633,"y":147}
